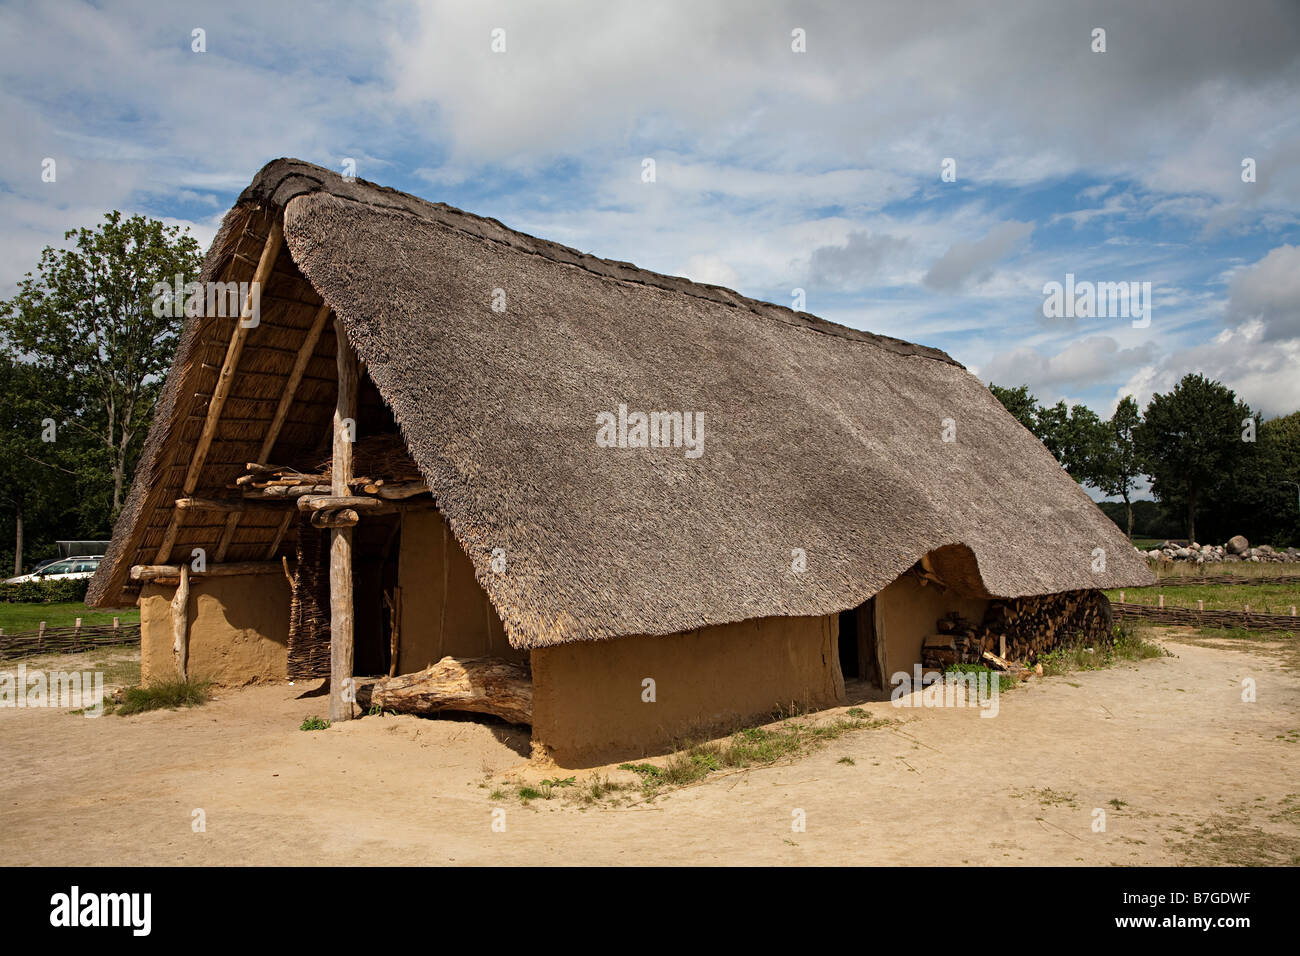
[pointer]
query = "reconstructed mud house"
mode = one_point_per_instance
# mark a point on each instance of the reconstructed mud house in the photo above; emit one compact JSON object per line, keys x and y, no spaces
{"x":443,"y":438}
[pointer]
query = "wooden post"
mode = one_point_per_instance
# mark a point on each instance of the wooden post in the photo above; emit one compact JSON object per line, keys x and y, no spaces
{"x":1162,"y":600}
{"x":76,"y":634}
{"x":1121,"y":597}
{"x":342,"y":689}
{"x":40,"y":635}
{"x":181,"y":623}
{"x":1200,"y":604}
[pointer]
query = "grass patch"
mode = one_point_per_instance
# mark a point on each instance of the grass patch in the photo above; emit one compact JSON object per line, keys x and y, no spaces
{"x":1124,"y":646}
{"x":314,"y":723}
{"x":164,"y":695}
{"x":28,"y":617}
{"x":1005,"y":681}
{"x":1262,"y":598}
{"x":747,"y":748}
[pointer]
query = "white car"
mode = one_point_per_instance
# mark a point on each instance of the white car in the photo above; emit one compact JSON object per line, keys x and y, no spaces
{"x":82,"y":566}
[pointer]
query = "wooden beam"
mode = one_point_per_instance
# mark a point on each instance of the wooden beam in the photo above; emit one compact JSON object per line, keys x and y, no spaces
{"x":279,"y":535}
{"x":225,"y":379}
{"x":181,"y":623}
{"x":228,"y":504}
{"x":154,"y":572}
{"x":331,"y":503}
{"x":305,"y":352}
{"x":342,"y":687}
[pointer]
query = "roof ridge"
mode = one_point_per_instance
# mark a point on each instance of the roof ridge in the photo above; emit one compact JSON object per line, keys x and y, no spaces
{"x":282,"y":180}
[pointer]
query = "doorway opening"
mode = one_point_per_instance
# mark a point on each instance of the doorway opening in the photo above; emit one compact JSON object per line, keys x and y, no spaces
{"x":859,"y":657}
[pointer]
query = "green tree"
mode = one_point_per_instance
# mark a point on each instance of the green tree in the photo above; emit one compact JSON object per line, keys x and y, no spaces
{"x":87,"y":317}
{"x":1191,"y":443}
{"x":1118,"y":469}
{"x":37,"y":484}
{"x":1075,"y":436}
{"x":1018,"y":402}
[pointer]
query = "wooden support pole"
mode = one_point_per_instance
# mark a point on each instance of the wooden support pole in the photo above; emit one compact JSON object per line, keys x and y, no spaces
{"x":181,"y":623}
{"x":225,"y":379}
{"x":342,"y":688}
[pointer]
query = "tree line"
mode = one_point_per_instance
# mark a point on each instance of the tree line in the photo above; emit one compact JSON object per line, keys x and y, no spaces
{"x":1215,"y":468}
{"x":82,"y":358}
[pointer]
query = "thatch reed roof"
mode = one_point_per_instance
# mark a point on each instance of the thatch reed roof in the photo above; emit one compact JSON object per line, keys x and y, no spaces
{"x":816,"y":437}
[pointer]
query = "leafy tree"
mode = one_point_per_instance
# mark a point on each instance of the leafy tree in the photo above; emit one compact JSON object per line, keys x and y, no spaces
{"x":1075,"y":436}
{"x":35,"y":487}
{"x":87,"y":317}
{"x":1190,"y":443}
{"x":1018,"y":402}
{"x":1119,"y":470}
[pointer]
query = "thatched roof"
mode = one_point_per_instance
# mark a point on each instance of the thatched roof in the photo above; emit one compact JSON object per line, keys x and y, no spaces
{"x":816,"y":437}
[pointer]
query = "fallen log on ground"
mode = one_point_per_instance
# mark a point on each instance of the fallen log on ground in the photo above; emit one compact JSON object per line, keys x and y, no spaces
{"x":481,"y":685}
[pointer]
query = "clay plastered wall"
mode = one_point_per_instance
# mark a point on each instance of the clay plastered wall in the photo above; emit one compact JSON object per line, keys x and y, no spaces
{"x":433,"y":571}
{"x":587,"y":697}
{"x":907,"y":612}
{"x":239,"y":629}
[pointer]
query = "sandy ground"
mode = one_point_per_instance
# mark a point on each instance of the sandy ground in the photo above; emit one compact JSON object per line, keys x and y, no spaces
{"x":1199,"y":777}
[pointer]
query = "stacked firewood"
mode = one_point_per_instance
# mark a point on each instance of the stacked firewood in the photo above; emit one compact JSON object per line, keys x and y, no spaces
{"x":381,"y":463}
{"x":1019,"y":629}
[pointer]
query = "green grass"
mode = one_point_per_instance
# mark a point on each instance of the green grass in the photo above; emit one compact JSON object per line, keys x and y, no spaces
{"x":751,"y":747}
{"x":1226,"y":570}
{"x":164,"y":694}
{"x":28,"y":617}
{"x":315,"y":723}
{"x":1005,"y":681}
{"x":1262,"y":598}
{"x":1126,"y":646}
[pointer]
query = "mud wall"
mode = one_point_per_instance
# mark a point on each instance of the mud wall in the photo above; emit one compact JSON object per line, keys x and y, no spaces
{"x":907,"y":611}
{"x":588,"y":704}
{"x":444,"y":609}
{"x":239,"y":629}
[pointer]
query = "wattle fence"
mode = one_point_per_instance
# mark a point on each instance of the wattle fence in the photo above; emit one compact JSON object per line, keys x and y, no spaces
{"x":66,"y":640}
{"x":1249,"y":620}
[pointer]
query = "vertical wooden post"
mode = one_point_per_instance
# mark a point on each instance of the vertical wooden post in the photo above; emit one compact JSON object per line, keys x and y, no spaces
{"x":40,"y":635}
{"x":181,"y":623}
{"x":345,"y":413}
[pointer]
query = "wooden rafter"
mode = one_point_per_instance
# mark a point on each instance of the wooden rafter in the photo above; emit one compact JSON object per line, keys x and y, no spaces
{"x":300,"y":362}
{"x":225,"y":379}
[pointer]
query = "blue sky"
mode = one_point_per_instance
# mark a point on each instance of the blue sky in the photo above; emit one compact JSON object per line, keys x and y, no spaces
{"x":775,"y":170}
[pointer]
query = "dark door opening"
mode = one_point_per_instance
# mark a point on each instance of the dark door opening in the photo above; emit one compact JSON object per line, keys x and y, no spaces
{"x":859,"y":658}
{"x":849,"y":644}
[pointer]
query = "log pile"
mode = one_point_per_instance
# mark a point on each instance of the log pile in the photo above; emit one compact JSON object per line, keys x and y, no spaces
{"x":1019,"y":629}
{"x":381,"y":466}
{"x":481,"y":685}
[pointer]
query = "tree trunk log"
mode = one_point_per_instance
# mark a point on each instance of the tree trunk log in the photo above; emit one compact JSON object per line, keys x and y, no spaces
{"x":481,"y":685}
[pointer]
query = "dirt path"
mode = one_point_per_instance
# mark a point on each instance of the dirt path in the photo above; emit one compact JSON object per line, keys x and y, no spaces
{"x":1199,"y":776}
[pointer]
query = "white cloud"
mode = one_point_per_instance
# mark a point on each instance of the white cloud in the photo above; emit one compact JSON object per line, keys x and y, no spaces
{"x":1269,"y":293}
{"x":1086,"y":362}
{"x":973,"y":261}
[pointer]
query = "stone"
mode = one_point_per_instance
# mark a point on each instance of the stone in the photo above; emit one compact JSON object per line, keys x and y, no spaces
{"x":1237,"y":544}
